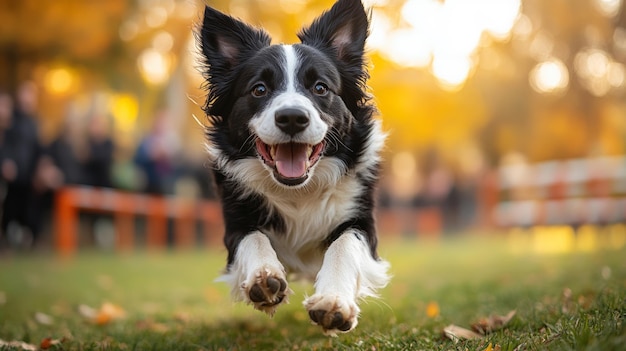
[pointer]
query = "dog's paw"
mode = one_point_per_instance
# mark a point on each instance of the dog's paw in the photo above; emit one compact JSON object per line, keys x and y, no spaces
{"x":266,"y":290}
{"x":333,"y":313}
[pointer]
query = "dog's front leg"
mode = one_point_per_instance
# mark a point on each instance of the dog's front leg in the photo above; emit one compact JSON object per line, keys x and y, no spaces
{"x":256,"y":275}
{"x":349,"y":272}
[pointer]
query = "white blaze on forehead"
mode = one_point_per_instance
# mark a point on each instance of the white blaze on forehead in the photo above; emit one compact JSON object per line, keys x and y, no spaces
{"x":291,"y":67}
{"x":288,"y":96}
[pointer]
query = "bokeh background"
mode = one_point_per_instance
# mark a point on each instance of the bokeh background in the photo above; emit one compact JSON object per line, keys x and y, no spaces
{"x":502,"y":114}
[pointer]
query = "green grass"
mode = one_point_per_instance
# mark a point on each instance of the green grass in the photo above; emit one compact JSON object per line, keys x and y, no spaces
{"x":573,"y":301}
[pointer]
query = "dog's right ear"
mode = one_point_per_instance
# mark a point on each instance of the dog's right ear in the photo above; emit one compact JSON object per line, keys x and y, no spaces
{"x":226,"y":41}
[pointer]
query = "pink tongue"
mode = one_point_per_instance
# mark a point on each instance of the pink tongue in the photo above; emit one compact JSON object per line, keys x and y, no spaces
{"x":291,"y":160}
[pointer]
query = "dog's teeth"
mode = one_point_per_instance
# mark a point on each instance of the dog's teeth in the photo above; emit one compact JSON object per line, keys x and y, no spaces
{"x":309,"y":150}
{"x":273,"y":151}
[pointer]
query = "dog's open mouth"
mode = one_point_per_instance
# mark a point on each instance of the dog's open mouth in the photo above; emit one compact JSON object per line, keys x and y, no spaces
{"x":291,"y":161}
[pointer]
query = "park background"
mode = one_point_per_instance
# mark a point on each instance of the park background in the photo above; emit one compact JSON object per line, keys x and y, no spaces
{"x":507,"y":135}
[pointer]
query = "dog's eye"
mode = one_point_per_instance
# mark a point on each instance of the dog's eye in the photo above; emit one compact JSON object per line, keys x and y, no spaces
{"x":259,"y":90}
{"x":320,"y":89}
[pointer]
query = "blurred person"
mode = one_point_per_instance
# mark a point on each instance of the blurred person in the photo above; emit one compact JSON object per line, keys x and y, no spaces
{"x":99,"y":158}
{"x":84,"y":154}
{"x":96,"y":167}
{"x":23,"y":150}
{"x":69,"y":148}
{"x":155,"y":155}
{"x":7,"y":166}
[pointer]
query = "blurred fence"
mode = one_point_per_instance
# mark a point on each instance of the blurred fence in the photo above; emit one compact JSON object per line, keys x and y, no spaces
{"x":571,"y":192}
{"x":126,"y":208}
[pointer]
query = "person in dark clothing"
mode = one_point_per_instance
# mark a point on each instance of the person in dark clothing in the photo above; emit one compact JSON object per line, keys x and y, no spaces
{"x":156,"y":154}
{"x":64,"y":157}
{"x":84,"y":154}
{"x":7,"y":165}
{"x":22,"y":149}
{"x":99,"y":158}
{"x":65,"y":152}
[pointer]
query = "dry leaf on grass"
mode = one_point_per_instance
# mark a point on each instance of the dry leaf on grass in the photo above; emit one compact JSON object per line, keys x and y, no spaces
{"x":493,"y":348}
{"x":480,"y":328}
{"x":492,"y":323}
{"x":432,"y":309}
{"x":107,"y":313}
{"x":3,"y":298}
{"x":49,"y":342}
{"x":456,"y":333}
{"x":17,"y":345}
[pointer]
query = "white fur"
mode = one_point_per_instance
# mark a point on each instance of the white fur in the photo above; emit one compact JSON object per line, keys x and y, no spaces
{"x":291,"y":68}
{"x":263,"y":124}
{"x":349,"y":269}
{"x":374,"y":144}
{"x":348,"y":273}
{"x":310,"y":212}
{"x":255,"y":255}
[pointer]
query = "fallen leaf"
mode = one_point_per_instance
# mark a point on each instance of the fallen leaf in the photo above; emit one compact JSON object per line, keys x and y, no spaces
{"x":3,"y":298}
{"x":432,"y":309}
{"x":49,"y":342}
{"x":17,"y":344}
{"x":492,"y":323}
{"x":43,"y":319}
{"x":493,"y":348}
{"x":456,"y":333}
{"x":107,"y":313}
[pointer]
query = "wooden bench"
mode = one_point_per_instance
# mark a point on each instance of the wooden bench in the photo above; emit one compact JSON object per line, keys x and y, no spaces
{"x":124,"y":207}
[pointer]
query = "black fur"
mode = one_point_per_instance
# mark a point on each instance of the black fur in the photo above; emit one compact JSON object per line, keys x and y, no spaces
{"x":237,"y":56}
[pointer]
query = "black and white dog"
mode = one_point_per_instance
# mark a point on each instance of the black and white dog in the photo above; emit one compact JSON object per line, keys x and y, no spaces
{"x":295,"y":152}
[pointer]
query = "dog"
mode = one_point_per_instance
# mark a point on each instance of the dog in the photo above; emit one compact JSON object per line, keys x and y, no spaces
{"x":294,"y":146}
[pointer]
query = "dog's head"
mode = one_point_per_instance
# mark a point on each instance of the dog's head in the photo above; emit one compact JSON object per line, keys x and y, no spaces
{"x":287,"y":106}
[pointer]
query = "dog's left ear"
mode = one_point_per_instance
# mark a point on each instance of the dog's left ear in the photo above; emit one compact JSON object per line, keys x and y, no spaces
{"x":226,"y":41}
{"x":342,"y":29}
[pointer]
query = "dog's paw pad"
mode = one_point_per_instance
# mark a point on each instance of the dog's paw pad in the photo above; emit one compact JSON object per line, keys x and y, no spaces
{"x":332,"y":313}
{"x":330,"y":321}
{"x":275,"y":285}
{"x":267,"y":292}
{"x":256,"y":293}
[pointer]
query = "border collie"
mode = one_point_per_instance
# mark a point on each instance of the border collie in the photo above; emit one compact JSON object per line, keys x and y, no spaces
{"x":294,"y":147}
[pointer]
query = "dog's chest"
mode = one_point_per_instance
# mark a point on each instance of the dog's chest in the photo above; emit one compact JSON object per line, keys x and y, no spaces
{"x":308,"y":219}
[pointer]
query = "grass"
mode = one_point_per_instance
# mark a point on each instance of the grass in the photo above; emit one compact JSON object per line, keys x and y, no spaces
{"x":567,"y":301}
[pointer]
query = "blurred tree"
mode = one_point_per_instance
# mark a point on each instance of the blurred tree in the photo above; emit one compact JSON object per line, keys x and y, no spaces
{"x":34,"y":31}
{"x":497,"y":107}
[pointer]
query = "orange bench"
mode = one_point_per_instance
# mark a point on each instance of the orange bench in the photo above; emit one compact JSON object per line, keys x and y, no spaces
{"x":125,"y":206}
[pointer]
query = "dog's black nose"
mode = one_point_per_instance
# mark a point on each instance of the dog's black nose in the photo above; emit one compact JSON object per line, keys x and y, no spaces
{"x":291,"y":120}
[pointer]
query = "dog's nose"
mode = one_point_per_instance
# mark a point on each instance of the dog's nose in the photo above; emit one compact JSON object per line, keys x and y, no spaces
{"x":291,"y":120}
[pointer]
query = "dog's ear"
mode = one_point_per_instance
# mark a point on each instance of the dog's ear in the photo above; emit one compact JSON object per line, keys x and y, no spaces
{"x":343,"y":29}
{"x":226,"y":41}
